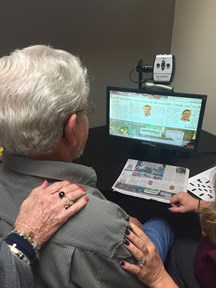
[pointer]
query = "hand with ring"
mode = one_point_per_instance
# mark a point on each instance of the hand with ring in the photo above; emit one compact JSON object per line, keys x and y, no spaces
{"x":149,"y":268}
{"x":69,"y":202}
{"x":48,"y":207}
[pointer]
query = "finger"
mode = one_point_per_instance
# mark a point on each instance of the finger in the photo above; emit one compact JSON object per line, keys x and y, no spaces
{"x":174,"y":199}
{"x":76,"y":194}
{"x":134,"y":269}
{"x":134,"y":250}
{"x":81,"y":187}
{"x":137,"y":231}
{"x":179,"y":197}
{"x":177,"y":209}
{"x":42,"y":186}
{"x":73,"y":188}
{"x":135,"y":240}
{"x":75,"y":208}
{"x":57,"y":186}
{"x":175,"y":204}
{"x":142,"y":242}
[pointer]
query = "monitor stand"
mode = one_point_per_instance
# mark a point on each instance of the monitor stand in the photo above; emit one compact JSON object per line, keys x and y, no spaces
{"x":154,"y":154}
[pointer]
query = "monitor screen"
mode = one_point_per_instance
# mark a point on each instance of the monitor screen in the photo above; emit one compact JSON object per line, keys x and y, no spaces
{"x":165,"y":119}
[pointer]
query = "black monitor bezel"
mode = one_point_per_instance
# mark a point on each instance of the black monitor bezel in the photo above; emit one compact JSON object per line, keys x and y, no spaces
{"x":165,"y":93}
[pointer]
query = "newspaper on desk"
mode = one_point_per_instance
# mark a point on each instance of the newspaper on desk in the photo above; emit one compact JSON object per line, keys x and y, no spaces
{"x":151,"y":180}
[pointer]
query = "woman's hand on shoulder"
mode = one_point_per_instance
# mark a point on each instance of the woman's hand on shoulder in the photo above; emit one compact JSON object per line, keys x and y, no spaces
{"x":44,"y":211}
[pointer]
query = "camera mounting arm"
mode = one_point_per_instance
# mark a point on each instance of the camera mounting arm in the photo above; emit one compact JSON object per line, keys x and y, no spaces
{"x":142,"y":68}
{"x":162,"y":70}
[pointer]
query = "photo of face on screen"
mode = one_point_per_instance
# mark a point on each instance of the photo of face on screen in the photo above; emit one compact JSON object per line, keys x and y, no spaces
{"x":172,"y":119}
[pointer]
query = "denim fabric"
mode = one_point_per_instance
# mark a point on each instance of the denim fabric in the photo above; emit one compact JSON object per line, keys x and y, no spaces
{"x":161,"y":234}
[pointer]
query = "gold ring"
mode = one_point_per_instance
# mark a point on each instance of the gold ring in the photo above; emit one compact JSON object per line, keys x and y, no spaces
{"x":69,"y":203}
{"x":142,"y":262}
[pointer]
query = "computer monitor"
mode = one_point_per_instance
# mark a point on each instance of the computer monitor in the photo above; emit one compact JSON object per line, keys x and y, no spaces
{"x":162,"y":119}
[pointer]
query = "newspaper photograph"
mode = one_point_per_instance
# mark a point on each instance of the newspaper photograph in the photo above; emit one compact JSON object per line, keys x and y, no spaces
{"x":151,"y":180}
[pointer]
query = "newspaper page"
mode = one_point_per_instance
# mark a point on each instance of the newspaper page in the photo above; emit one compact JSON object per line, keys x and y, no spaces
{"x":151,"y":180}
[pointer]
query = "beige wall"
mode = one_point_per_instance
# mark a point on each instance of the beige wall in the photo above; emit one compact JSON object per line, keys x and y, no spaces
{"x":110,"y":36}
{"x":194,"y":45}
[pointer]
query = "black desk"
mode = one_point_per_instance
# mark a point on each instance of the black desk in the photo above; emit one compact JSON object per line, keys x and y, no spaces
{"x":108,"y":157}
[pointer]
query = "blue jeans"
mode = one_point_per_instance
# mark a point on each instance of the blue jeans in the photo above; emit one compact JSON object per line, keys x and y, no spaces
{"x":161,"y":234}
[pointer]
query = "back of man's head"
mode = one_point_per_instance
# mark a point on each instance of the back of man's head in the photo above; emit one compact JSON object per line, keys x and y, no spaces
{"x":40,"y":87}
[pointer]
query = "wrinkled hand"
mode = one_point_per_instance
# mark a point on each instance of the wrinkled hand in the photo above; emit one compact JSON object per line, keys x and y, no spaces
{"x":153,"y":273}
{"x":182,"y":202}
{"x":43,"y":211}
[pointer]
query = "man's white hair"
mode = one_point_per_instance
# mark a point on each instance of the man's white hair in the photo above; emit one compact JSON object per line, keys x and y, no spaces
{"x":40,"y":88}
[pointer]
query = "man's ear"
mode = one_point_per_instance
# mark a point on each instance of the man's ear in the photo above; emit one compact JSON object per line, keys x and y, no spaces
{"x":69,"y":130}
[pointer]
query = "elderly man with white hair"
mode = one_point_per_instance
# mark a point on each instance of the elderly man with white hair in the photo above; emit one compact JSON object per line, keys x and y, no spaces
{"x":43,"y":128}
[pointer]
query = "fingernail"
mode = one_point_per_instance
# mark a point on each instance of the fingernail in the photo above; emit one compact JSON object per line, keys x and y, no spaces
{"x":122,"y":263}
{"x":44,"y":180}
{"x":126,"y":242}
{"x":127,"y":232}
{"x":86,"y":198}
{"x":71,"y":182}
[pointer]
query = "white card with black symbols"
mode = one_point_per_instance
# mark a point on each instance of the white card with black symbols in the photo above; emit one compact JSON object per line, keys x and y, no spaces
{"x":202,"y":185}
